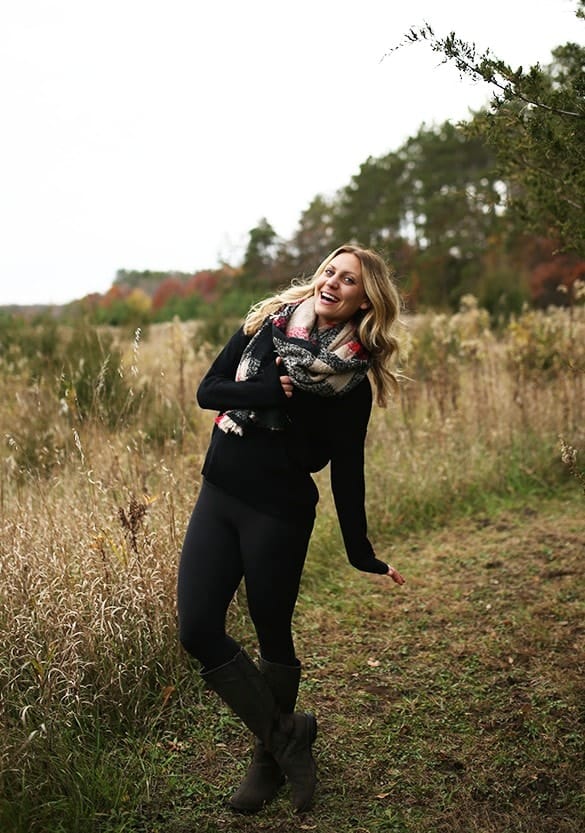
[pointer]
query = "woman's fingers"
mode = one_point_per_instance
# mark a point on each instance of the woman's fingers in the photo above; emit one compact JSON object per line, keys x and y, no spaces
{"x":395,"y":575}
{"x":287,"y":385}
{"x":285,"y":381}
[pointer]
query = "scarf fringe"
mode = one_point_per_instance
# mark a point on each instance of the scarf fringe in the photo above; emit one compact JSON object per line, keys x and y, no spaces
{"x":227,"y":425}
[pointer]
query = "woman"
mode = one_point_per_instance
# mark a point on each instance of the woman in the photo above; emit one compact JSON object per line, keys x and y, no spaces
{"x":292,"y":391}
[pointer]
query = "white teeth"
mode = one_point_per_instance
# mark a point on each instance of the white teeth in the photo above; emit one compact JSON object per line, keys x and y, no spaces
{"x":328,"y":297}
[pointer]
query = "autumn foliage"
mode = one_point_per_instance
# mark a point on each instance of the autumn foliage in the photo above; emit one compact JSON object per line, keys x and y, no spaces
{"x":552,"y":281}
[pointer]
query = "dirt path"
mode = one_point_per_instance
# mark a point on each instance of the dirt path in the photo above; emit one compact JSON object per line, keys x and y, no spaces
{"x":453,"y":705}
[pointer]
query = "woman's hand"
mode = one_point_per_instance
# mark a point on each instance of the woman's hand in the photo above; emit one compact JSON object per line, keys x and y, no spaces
{"x":285,"y":381}
{"x":395,"y":575}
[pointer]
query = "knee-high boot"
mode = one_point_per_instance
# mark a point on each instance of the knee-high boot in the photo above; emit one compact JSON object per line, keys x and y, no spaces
{"x":265,"y":777}
{"x":287,"y":737}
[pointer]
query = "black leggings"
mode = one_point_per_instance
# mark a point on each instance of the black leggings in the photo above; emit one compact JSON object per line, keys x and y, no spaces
{"x":226,"y":540}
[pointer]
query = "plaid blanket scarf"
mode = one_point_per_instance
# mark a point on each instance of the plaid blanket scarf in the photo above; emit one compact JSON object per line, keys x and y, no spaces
{"x":326,"y":362}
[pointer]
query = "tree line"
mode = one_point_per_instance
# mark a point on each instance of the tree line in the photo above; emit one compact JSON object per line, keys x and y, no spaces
{"x":493,"y":206}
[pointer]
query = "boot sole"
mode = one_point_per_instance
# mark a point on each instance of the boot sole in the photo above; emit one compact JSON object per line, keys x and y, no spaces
{"x":251,"y":808}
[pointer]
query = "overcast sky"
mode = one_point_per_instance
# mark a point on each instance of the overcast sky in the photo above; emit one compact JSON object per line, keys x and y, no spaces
{"x":154,"y":134}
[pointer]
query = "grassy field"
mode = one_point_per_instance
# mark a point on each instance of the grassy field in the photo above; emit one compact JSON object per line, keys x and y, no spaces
{"x":454,"y":703}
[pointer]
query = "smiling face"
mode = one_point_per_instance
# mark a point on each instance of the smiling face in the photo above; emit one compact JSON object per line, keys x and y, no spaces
{"x":339,"y":290}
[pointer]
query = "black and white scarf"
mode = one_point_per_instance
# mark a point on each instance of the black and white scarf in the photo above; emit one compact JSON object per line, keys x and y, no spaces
{"x":326,"y":362}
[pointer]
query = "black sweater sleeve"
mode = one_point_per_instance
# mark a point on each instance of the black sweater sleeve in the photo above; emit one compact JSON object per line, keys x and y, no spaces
{"x":348,"y":481}
{"x":219,"y":391}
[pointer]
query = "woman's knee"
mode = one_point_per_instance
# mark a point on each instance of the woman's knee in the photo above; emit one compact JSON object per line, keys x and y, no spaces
{"x":196,"y":636}
{"x":205,"y":640}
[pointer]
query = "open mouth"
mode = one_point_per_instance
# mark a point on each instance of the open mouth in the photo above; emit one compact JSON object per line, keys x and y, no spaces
{"x":327,"y":298}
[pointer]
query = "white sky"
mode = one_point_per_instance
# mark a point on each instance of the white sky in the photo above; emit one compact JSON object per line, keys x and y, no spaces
{"x":154,"y":134}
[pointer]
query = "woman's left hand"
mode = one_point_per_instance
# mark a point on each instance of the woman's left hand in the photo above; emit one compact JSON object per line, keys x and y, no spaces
{"x":395,"y":575}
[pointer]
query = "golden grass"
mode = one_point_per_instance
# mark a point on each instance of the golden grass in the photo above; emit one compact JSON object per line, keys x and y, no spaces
{"x":93,"y":517}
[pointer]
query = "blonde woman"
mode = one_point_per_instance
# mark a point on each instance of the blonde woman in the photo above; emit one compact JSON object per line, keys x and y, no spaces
{"x":293,"y":393}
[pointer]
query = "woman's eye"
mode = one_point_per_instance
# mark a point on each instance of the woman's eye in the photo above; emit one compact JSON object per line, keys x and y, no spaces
{"x":347,"y":279}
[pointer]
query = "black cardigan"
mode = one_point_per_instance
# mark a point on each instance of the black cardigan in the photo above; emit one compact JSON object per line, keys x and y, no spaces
{"x":271,"y":470}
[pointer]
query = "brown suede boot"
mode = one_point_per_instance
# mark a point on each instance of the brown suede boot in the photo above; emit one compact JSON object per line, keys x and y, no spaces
{"x":287,"y":737}
{"x":261,"y":783}
{"x":265,"y":777}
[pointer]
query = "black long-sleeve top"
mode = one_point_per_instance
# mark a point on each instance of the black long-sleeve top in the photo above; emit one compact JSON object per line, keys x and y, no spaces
{"x":271,"y":470}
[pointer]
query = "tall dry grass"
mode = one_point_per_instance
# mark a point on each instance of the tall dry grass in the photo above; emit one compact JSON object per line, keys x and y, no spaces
{"x":94,"y":505}
{"x":482,"y":416}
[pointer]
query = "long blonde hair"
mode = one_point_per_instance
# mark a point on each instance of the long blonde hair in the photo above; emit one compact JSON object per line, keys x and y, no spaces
{"x":374,"y":325}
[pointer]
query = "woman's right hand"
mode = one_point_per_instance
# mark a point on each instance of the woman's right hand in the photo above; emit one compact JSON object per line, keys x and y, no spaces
{"x":285,"y":381}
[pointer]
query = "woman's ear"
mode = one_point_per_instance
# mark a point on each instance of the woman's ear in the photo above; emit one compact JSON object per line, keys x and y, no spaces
{"x":365,"y":304}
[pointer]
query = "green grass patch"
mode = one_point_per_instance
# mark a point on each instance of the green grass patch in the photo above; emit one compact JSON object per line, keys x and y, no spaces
{"x":452,"y":704}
